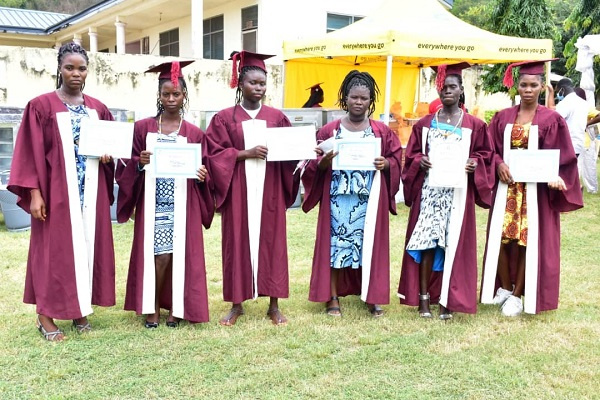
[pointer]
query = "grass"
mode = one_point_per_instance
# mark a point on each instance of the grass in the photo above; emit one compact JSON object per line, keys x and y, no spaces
{"x":484,"y":356}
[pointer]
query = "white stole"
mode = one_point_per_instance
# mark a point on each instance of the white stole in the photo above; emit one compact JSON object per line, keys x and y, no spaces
{"x":83,"y":222}
{"x":179,"y":238}
{"x":495,"y":232}
{"x":255,"y":184}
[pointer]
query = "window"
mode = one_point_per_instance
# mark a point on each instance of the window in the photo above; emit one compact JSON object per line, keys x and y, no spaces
{"x":169,"y":43}
{"x":249,"y":28}
{"x":133,"y":47}
{"x":6,"y":146}
{"x":146,"y":45}
{"x":213,"y":38}
{"x":338,"y":21}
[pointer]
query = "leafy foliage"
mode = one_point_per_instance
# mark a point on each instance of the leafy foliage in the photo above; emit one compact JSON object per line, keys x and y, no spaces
{"x":521,"y":18}
{"x":583,"y":20}
{"x":58,"y":6}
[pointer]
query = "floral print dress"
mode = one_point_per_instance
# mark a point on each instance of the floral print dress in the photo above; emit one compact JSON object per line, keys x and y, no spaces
{"x":349,"y":195}
{"x":77,"y":113}
{"x":514,"y":227}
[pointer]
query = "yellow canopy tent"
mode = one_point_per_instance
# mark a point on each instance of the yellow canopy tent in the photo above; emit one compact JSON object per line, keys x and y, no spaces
{"x":393,"y":44}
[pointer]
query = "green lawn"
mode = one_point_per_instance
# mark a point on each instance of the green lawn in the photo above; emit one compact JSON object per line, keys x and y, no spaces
{"x":484,"y":356}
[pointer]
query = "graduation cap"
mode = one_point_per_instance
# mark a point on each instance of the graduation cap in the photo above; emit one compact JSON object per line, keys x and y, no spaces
{"x":170,"y":70}
{"x":243,"y":59}
{"x":525,"y":68}
{"x":444,"y":70}
{"x":315,"y":88}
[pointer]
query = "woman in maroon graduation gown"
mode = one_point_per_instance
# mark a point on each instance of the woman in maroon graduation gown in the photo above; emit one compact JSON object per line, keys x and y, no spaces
{"x":523,"y":240}
{"x":167,"y":268}
{"x":71,"y":263}
{"x":252,"y":195}
{"x":352,"y":254}
{"x":440,"y":261}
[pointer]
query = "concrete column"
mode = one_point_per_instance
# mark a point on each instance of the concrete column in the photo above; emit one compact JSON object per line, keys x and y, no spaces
{"x":197,"y":22}
{"x":77,"y":38}
{"x":93,"y":34}
{"x":120,"y":36}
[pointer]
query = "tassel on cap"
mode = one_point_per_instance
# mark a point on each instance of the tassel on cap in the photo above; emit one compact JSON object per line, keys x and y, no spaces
{"x":233,"y":82}
{"x":175,"y":73}
{"x":440,"y":77}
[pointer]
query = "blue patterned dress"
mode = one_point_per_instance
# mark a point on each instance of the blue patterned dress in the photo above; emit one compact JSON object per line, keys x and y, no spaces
{"x":77,"y":112}
{"x":431,"y":230}
{"x":165,"y":206}
{"x":349,"y":194}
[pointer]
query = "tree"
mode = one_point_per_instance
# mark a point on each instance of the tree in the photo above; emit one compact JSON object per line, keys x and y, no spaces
{"x":57,"y":6}
{"x":474,"y":12}
{"x":521,"y":18}
{"x":583,"y":20}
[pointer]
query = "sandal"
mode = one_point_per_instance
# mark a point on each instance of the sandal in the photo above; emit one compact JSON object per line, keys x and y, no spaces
{"x":150,"y":325}
{"x":277,"y":318}
{"x":174,"y":323}
{"x":53,"y":336}
{"x":82,"y":328}
{"x":231,"y":318}
{"x":375,"y":310}
{"x":334,"y":311}
{"x":424,"y":314}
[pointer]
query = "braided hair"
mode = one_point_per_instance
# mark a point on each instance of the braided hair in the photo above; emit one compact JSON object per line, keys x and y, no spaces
{"x":69,"y":48}
{"x":186,"y":101}
{"x":356,"y":78}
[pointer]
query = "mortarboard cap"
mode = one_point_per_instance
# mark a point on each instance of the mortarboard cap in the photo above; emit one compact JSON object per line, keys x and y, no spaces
{"x":170,"y":70}
{"x":316,"y":87}
{"x":246,"y":59}
{"x":444,"y":70}
{"x":525,"y":68}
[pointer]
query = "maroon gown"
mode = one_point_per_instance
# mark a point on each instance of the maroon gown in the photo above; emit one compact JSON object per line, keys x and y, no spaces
{"x":39,"y":162}
{"x":199,"y":211}
{"x":225,"y":141}
{"x":316,"y":185}
{"x":542,"y":270}
{"x":461,"y":294}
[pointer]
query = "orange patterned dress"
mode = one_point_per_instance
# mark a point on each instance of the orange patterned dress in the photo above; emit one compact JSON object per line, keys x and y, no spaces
{"x":514,"y":227}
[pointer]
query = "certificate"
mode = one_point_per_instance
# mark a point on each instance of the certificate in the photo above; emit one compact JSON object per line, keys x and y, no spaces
{"x":327,"y":145}
{"x":172,"y":160}
{"x":291,"y":143}
{"x":356,"y":154}
{"x":534,"y":165}
{"x":448,"y":163}
{"x":99,"y":137}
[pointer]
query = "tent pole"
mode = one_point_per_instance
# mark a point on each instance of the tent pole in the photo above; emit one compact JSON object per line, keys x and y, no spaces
{"x":388,"y":88}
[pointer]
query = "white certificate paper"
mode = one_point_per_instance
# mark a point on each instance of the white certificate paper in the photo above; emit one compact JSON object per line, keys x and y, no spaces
{"x":291,"y":143}
{"x":176,"y":160}
{"x":534,"y":165}
{"x":448,"y":162}
{"x":356,"y":154}
{"x":99,"y":137}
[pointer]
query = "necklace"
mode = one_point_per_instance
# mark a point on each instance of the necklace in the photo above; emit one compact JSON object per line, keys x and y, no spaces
{"x":160,"y":124}
{"x":68,"y":99}
{"x":451,"y":115}
{"x":356,"y":126}
{"x":462,"y":114}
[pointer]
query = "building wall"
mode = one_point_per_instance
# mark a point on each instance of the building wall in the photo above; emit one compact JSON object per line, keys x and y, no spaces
{"x":119,"y":80}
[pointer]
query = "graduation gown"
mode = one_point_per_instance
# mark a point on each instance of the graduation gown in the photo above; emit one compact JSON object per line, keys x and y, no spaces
{"x":185,"y":292}
{"x":544,"y":205}
{"x":456,"y":286}
{"x":231,"y":180}
{"x":372,"y":280}
{"x":65,"y":276}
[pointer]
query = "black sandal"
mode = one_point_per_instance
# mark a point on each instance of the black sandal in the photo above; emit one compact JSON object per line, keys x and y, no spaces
{"x":150,"y":325}
{"x":334,"y":311}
